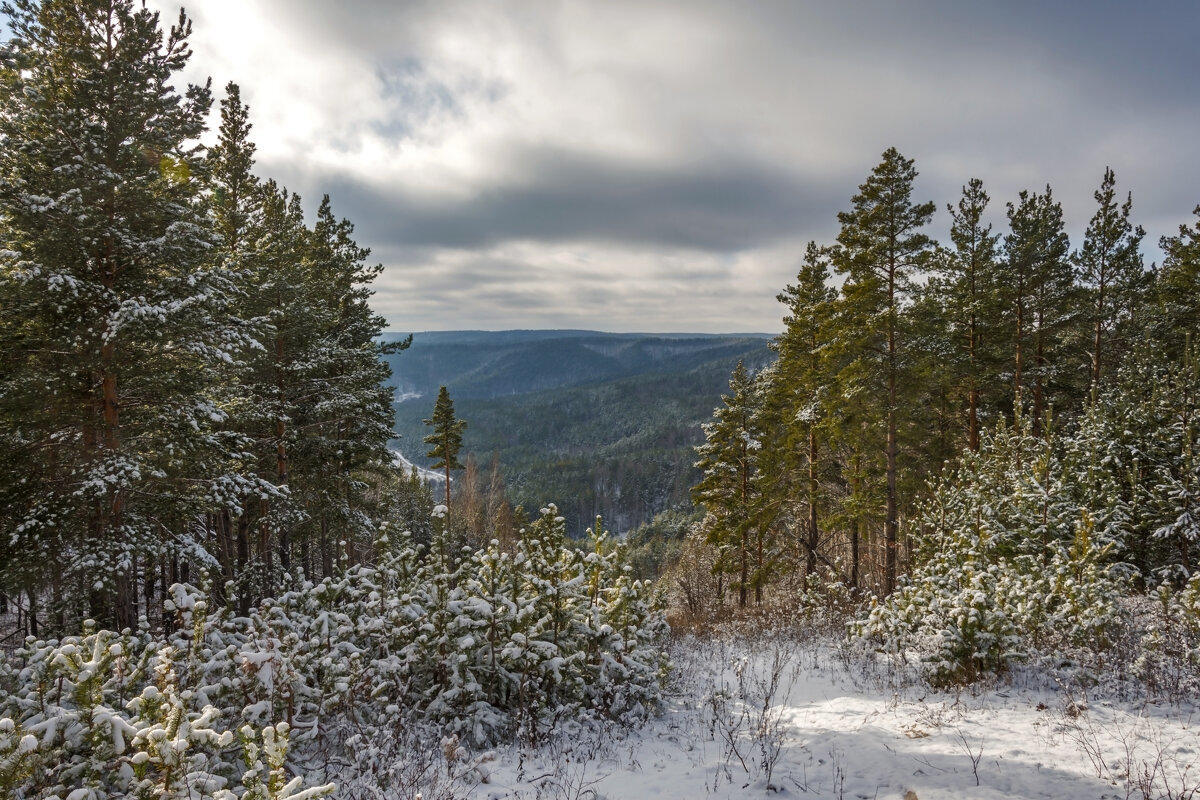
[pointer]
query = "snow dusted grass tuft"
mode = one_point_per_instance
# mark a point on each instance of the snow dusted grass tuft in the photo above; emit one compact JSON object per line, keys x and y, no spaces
{"x":754,"y":712}
{"x":1138,"y":751}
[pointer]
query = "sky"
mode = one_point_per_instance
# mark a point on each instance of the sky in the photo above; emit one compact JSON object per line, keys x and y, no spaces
{"x":659,"y":165}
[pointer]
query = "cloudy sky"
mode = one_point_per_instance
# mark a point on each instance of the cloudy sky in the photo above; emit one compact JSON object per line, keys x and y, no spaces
{"x":658,"y":165}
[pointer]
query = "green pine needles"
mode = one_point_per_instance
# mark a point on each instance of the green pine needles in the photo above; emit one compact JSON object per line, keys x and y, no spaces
{"x":446,"y":440}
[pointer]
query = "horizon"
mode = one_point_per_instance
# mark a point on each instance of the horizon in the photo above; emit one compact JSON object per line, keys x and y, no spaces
{"x":754,"y":334}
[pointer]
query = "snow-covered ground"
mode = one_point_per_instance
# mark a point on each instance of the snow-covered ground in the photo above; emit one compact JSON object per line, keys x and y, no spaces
{"x":769,"y":718}
{"x":429,"y":476}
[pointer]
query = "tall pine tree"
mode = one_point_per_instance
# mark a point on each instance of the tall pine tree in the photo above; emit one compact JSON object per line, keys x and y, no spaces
{"x":1040,"y":303}
{"x":879,"y":251}
{"x":1110,"y":267}
{"x":446,"y":440}
{"x":729,"y":488}
{"x":105,"y":251}
{"x":234,"y":200}
{"x":966,"y":290}
{"x":347,"y":417}
{"x":803,"y":387}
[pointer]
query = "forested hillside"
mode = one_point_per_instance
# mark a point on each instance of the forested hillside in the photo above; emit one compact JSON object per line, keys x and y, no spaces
{"x":491,"y":364}
{"x":602,"y":424}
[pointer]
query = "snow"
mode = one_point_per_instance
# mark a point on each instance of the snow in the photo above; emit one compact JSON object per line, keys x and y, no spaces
{"x":428,"y":476}
{"x":834,"y":729}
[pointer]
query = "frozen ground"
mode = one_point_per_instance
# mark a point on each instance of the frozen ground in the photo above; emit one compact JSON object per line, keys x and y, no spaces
{"x":770,"y":718}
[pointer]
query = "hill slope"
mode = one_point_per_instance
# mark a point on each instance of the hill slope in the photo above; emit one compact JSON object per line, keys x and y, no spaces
{"x":597,"y":423}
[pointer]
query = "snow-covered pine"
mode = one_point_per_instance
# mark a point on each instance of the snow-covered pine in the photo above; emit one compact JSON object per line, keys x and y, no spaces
{"x":797,"y":404}
{"x":118,"y":322}
{"x":107,"y":716}
{"x":1173,"y":473}
{"x":347,"y":417}
{"x":728,"y":487}
{"x":1010,"y":563}
{"x":276,"y":381}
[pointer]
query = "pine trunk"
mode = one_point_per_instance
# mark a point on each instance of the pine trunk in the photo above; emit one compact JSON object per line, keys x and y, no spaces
{"x":744,"y":572}
{"x":281,"y":461}
{"x":891,"y":525}
{"x":1019,"y":341}
{"x":759,"y":567}
{"x":1099,"y":333}
{"x":814,"y":539}
{"x":1039,"y":360}
{"x":326,"y":550}
{"x":243,"y":552}
{"x":743,"y":588}
{"x":973,"y":389}
{"x":856,"y":527}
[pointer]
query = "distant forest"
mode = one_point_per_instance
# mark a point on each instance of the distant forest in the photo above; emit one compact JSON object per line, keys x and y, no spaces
{"x":601,"y":424}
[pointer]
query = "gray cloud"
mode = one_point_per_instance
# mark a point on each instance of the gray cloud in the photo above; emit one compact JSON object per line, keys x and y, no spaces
{"x":564,"y":196}
{"x":659,"y":164}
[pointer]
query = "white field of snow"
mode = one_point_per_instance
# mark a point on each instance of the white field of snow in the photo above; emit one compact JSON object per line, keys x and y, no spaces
{"x":831,"y":729}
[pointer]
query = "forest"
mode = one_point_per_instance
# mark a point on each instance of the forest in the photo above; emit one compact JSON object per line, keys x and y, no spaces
{"x":966,"y":461}
{"x":604,"y":424}
{"x":996,"y":438}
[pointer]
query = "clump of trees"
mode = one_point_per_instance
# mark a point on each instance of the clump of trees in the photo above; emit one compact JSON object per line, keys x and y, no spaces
{"x":190,"y":377}
{"x":991,"y":435}
{"x":340,"y":675}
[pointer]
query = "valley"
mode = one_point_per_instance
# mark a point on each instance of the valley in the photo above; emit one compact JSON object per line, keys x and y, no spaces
{"x":599,"y":423}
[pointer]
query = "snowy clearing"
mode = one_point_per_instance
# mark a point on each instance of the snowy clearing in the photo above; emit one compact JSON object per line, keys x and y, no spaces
{"x":764,"y":719}
{"x":406,"y":466}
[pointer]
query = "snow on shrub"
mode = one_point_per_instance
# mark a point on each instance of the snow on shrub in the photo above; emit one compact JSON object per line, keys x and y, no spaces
{"x":1010,"y":563}
{"x":478,"y":645}
{"x":103,"y":715}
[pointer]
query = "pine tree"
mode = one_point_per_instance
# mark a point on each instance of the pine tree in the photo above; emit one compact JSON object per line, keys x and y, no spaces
{"x":104,"y":250}
{"x":966,"y":291}
{"x":278,"y":382}
{"x":1110,"y":266}
{"x":346,"y":416}
{"x":1039,"y":296}
{"x":231,"y":178}
{"x":939,"y":384}
{"x":234,"y":203}
{"x":1178,"y":286}
{"x":803,"y":386}
{"x":1174,"y":500}
{"x":446,"y":439}
{"x":729,"y":487}
{"x":879,"y":250}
